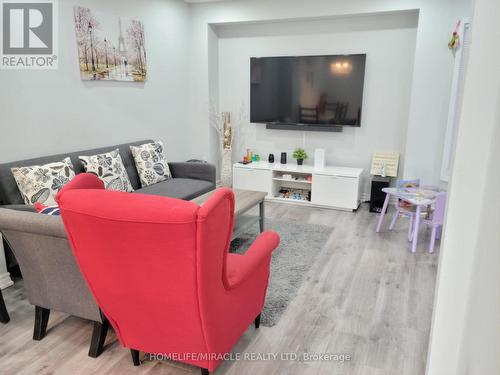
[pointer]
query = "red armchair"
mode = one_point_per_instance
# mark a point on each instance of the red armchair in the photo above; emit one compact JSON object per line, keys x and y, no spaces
{"x":160,"y":270}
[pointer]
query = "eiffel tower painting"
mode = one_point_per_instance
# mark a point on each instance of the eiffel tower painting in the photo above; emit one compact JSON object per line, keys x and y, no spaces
{"x":110,"y":48}
{"x":122,"y":48}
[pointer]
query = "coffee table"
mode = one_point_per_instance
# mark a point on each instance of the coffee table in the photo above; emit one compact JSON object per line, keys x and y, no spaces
{"x":244,"y":201}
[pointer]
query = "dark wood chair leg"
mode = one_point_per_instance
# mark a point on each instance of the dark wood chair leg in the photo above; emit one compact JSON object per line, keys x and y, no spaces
{"x":204,"y":371}
{"x":135,"y":357}
{"x":41,"y":320}
{"x":257,"y":321}
{"x":4,"y":315}
{"x":98,"y":338}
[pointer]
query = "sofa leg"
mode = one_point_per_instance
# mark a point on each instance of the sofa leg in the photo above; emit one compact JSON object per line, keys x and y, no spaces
{"x":135,"y":357}
{"x":4,"y":315}
{"x":98,"y":338}
{"x":204,"y":371}
{"x":257,"y":321}
{"x":41,"y":321}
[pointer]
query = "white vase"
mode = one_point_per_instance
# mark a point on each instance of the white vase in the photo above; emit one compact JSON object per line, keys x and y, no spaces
{"x":226,"y":174}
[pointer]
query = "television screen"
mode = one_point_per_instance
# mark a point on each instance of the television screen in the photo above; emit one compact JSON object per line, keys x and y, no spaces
{"x":320,"y":91}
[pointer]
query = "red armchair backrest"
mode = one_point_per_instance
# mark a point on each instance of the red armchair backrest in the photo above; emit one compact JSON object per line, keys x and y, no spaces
{"x":138,"y":254}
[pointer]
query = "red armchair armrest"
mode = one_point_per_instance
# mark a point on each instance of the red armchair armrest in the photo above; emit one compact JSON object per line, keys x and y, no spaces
{"x":239,"y":268}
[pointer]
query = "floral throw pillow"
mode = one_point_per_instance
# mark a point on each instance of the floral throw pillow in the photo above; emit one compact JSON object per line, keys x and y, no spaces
{"x":151,"y":164}
{"x":109,"y":168}
{"x":41,"y":183}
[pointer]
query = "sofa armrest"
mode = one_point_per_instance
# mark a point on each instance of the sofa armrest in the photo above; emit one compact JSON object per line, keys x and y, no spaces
{"x":32,"y":222}
{"x":19,"y":207}
{"x":239,"y":268}
{"x":195,"y":171}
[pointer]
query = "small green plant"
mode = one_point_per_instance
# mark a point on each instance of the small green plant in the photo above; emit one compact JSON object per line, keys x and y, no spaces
{"x":300,"y":154}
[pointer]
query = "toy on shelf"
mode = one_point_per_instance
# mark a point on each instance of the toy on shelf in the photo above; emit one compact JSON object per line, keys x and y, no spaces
{"x":295,"y":194}
{"x":249,"y":157}
{"x":255,"y":157}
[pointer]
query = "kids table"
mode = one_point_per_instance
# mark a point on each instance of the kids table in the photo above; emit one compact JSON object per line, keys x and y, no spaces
{"x":419,"y":197}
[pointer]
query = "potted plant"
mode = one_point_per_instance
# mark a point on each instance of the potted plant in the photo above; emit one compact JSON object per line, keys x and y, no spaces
{"x":300,"y":154}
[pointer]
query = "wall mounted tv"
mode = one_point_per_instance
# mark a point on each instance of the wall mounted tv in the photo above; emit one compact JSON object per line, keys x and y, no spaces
{"x":322,"y":93}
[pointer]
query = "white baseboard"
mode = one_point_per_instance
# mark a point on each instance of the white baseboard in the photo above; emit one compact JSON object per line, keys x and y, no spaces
{"x":5,"y":280}
{"x":365,"y":197}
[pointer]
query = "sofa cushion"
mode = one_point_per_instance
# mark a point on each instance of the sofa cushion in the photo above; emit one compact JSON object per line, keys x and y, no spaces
{"x":109,"y":168}
{"x":40,"y":183}
{"x":47,"y":210}
{"x":181,"y":188}
{"x":151,"y":163}
{"x":9,"y":193}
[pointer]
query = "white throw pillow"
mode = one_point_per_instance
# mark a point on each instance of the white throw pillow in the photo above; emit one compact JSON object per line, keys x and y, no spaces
{"x":151,"y":163}
{"x":109,"y":168}
{"x":41,"y":183}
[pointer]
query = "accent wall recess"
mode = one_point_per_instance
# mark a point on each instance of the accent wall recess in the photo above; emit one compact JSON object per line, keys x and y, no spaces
{"x":110,"y":48}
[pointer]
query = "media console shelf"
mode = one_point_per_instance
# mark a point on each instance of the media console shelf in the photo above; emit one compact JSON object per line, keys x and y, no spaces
{"x":331,"y":187}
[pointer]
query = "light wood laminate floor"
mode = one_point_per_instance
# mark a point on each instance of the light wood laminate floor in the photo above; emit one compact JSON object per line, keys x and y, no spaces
{"x":366,"y":296}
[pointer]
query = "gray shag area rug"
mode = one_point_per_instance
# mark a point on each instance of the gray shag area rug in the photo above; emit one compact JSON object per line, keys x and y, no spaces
{"x":299,"y":246}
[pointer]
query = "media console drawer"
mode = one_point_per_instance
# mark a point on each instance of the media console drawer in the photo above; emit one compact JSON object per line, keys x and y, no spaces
{"x":252,"y":179}
{"x":335,"y":191}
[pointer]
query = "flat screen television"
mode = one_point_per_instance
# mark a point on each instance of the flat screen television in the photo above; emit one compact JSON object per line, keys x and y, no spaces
{"x":307,"y":92}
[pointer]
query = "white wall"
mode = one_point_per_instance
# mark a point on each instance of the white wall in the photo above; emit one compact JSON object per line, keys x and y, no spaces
{"x":46,"y":112}
{"x":431,"y":78}
{"x":431,"y":90}
{"x":388,"y":41}
{"x":465,"y":338}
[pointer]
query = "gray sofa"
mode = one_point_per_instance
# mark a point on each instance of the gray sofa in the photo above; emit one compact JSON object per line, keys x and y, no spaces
{"x":188,"y":181}
{"x":52,"y":279}
{"x":51,"y":276}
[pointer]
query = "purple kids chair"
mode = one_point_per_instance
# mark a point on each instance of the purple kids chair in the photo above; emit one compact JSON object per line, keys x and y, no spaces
{"x":403,"y":208}
{"x":435,"y":219}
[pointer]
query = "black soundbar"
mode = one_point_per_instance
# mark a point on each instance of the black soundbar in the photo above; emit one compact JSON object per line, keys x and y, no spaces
{"x":305,"y":127}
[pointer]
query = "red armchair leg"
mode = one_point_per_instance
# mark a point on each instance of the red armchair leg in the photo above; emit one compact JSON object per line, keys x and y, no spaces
{"x":204,"y":371}
{"x":257,"y":321}
{"x":135,"y":357}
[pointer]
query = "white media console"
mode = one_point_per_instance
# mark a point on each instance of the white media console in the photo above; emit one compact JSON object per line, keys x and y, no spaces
{"x":330,"y":187}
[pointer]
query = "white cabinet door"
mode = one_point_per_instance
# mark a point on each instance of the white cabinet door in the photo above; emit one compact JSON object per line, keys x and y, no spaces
{"x":252,"y":179}
{"x":335,"y":191}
